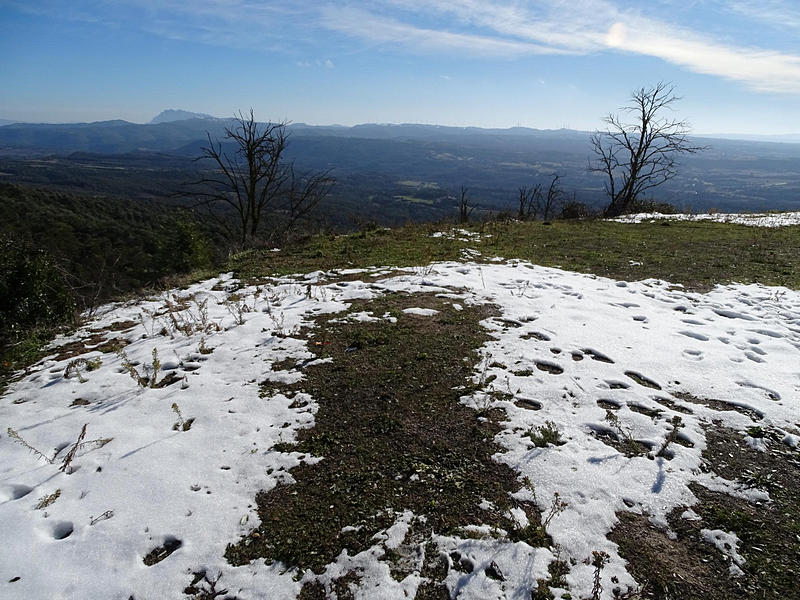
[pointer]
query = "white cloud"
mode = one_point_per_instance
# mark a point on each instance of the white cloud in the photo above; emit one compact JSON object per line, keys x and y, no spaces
{"x":572,"y":27}
{"x":478,"y":28}
{"x":384,"y":30}
{"x":777,"y":13}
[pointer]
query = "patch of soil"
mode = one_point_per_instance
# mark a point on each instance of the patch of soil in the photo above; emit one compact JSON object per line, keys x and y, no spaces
{"x":642,"y":380}
{"x":672,"y":569}
{"x":116,"y":326}
{"x":719,"y":405}
{"x":644,"y":410}
{"x":97,"y":341}
{"x":769,"y":532}
{"x":394,"y":436}
{"x":672,"y":405}
{"x":156,"y":555}
{"x":624,"y":445}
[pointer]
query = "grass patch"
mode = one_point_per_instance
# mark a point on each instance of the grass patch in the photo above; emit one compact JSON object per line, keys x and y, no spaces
{"x":768,"y":532}
{"x":695,"y":254}
{"x":394,"y":436}
{"x":544,"y":435}
{"x":18,"y":356}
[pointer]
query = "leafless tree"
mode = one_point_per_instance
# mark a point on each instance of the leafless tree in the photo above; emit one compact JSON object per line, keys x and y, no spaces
{"x":465,"y":206}
{"x":640,"y":154}
{"x":252,"y":180}
{"x":553,"y":198}
{"x":530,"y":202}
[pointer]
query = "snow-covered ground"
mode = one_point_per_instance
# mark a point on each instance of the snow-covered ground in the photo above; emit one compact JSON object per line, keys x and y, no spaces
{"x":563,"y":343}
{"x":783,"y":219}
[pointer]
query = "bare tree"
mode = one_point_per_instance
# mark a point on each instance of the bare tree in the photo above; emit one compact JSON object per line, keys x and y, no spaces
{"x":252,"y":180}
{"x":465,"y":206}
{"x":530,"y":202}
{"x":553,"y":198}
{"x":640,"y":154}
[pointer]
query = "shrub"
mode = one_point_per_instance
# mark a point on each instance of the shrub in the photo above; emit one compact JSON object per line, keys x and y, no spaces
{"x":651,"y":206}
{"x":576,"y":210}
{"x":544,"y":435}
{"x":33,"y":291}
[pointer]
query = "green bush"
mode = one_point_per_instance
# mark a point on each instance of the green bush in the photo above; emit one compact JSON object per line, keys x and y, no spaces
{"x":33,"y":291}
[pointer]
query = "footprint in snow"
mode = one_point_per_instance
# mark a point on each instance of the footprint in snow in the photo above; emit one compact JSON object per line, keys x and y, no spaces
{"x":62,"y":530}
{"x":14,"y":492}
{"x":694,"y":335}
{"x":598,"y":356}
{"x":642,"y":380}
{"x":754,"y":357}
{"x":615,"y":385}
{"x":693,"y":354}
{"x":549,"y":367}
{"x":156,"y":555}
{"x":609,"y":404}
{"x":772,"y":394}
{"x":692,"y":322}
{"x":732,"y":314}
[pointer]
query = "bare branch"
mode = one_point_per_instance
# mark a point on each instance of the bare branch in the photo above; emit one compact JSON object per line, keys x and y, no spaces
{"x":637,"y":155}
{"x":250,"y":179}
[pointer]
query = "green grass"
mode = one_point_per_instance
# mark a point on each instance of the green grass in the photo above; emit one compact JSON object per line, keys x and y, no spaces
{"x":695,"y":254}
{"x":17,"y":356}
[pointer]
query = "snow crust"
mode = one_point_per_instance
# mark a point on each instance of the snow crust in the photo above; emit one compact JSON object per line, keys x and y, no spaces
{"x":563,"y":342}
{"x":783,"y":219}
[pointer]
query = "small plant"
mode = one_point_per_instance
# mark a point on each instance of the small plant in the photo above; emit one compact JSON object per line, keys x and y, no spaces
{"x":182,"y":424}
{"x":103,"y":517}
{"x":186,"y":315}
{"x":237,"y":306}
{"x":150,"y":376}
{"x":66,"y":462}
{"x":91,"y":364}
{"x":556,"y":508}
{"x":632,"y":447}
{"x":202,"y":348}
{"x":544,"y":435}
{"x":47,"y":500}
{"x":599,"y":560}
{"x":673,"y":435}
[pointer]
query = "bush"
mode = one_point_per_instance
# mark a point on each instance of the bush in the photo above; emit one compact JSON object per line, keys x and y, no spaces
{"x":33,"y":291}
{"x":651,"y":206}
{"x":576,"y":210}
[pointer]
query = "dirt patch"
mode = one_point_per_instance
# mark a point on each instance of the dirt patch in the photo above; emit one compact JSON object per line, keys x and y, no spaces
{"x":719,"y":405}
{"x":97,"y":342}
{"x":156,"y":555}
{"x":116,"y":326}
{"x":768,"y":532}
{"x":394,"y":436}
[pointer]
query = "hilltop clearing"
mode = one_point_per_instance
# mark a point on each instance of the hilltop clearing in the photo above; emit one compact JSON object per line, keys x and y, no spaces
{"x":476,"y":427}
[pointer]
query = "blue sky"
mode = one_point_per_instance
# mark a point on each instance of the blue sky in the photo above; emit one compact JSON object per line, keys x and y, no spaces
{"x":499,"y":63}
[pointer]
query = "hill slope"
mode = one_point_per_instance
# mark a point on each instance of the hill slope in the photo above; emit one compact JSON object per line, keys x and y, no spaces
{"x":472,"y":426}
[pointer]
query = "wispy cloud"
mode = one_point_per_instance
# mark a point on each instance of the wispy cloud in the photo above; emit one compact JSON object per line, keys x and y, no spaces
{"x":780,"y":14}
{"x":475,"y":28}
{"x":392,"y":32}
{"x":574,"y":27}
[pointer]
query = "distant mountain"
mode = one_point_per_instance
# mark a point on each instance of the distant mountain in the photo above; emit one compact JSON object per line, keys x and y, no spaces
{"x":106,"y":137}
{"x":422,"y":162}
{"x":6,"y":122}
{"x":786,"y":138}
{"x":171,"y":115}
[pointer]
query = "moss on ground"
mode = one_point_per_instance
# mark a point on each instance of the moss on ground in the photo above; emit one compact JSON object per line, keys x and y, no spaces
{"x":393,"y":435}
{"x":769,"y":532}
